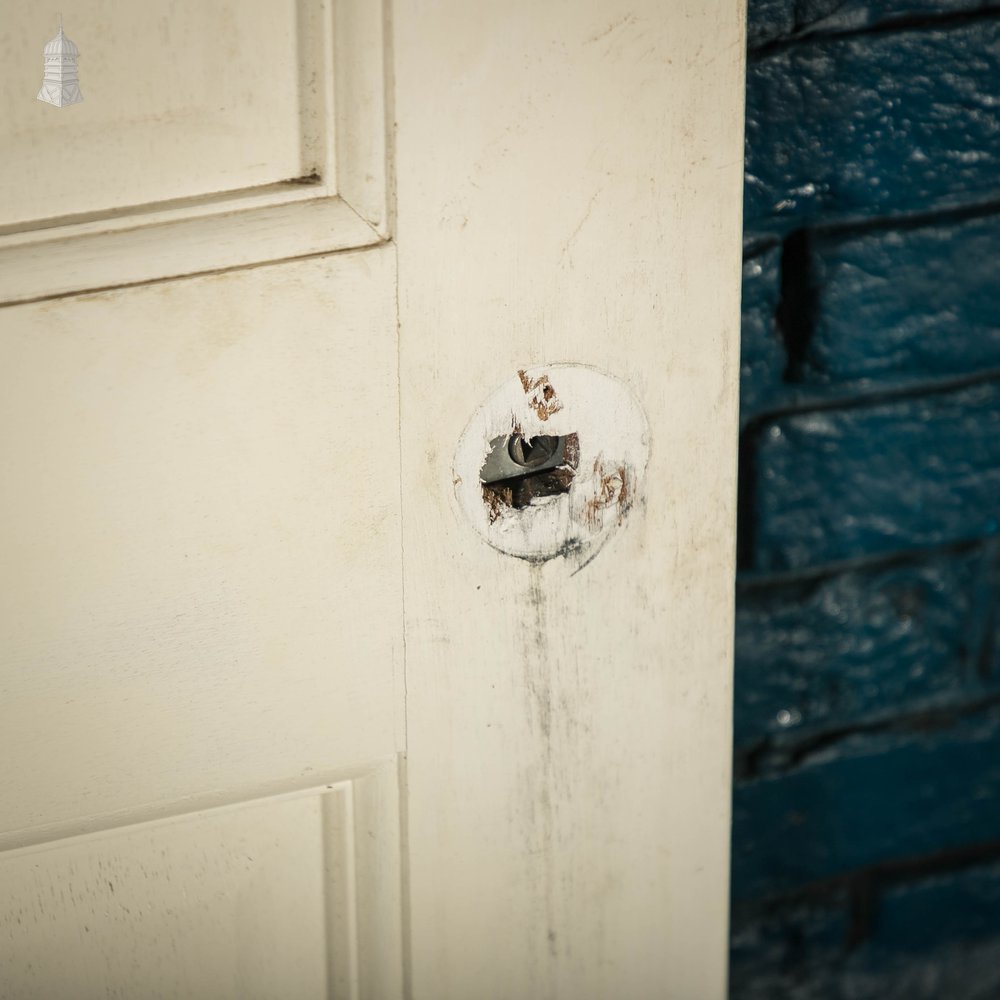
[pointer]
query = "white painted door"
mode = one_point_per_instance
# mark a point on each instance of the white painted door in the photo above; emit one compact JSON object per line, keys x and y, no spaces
{"x":290,"y":706}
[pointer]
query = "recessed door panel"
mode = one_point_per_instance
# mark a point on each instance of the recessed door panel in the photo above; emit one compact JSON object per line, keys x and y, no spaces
{"x":179,"y":100}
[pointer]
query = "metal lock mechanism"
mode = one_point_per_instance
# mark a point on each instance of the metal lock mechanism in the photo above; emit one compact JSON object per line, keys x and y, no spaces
{"x":518,"y":469}
{"x":514,"y":455}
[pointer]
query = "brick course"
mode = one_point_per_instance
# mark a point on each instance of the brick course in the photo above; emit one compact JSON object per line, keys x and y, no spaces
{"x":839,"y":483}
{"x":874,"y":124}
{"x":777,"y":20}
{"x":866,"y":799}
{"x":859,"y":647}
{"x":885,"y":938}
{"x":903,"y":303}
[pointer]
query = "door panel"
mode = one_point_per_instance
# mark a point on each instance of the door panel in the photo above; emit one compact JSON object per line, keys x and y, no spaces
{"x":264,"y":139}
{"x":279,"y":897}
{"x":175,"y":103}
{"x":200,"y":523}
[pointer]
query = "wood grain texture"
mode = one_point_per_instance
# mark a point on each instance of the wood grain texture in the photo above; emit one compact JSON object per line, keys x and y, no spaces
{"x":569,"y":189}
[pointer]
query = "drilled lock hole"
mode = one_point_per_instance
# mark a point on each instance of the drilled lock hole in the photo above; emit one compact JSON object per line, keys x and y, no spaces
{"x":519,"y":469}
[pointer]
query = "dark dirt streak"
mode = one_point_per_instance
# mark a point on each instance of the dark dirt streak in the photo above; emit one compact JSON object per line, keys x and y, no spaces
{"x":539,"y":789}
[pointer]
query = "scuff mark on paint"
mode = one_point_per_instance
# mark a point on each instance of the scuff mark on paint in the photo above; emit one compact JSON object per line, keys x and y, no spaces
{"x":613,"y":26}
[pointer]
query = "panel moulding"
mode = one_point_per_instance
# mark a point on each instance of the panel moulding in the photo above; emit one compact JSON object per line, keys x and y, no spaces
{"x":302,"y":887}
{"x":342,"y":204}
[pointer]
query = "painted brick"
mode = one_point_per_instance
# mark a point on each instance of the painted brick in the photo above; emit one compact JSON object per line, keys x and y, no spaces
{"x":931,"y":938}
{"x":867,"y":799}
{"x":881,"y":477}
{"x":768,"y":20}
{"x":787,"y":951}
{"x":854,"y":647}
{"x":989,"y":655}
{"x":871,"y":124}
{"x":771,"y":20}
{"x":910,"y":302}
{"x":762,"y":353}
{"x":847,"y":15}
{"x":957,"y":971}
{"x":955,"y":906}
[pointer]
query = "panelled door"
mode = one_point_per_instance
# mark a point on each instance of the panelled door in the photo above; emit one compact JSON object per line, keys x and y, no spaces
{"x":368,"y":444}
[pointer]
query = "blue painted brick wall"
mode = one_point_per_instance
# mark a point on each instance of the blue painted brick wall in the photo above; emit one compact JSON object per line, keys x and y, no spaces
{"x":903,"y":303}
{"x":856,"y":480}
{"x":866,"y":837}
{"x":853,"y":648}
{"x":763,"y":358}
{"x":872,"y":123}
{"x":898,"y":935}
{"x":780,"y":20}
{"x":867,"y":798}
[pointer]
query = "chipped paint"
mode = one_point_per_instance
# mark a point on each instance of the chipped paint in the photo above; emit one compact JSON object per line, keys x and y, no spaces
{"x":541,"y":395}
{"x":570,"y":511}
{"x":612,"y":493}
